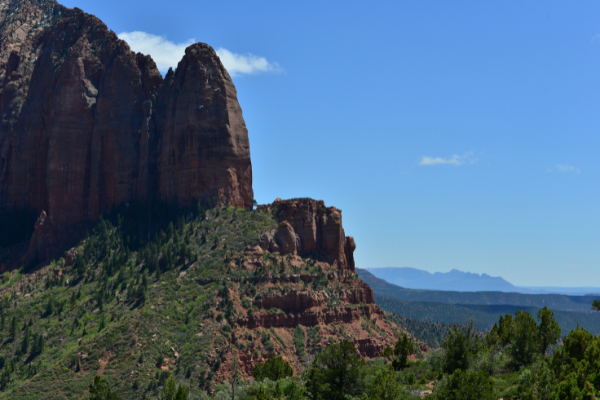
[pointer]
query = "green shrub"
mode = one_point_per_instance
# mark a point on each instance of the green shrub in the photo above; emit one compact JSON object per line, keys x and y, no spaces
{"x":469,"y":385}
{"x":335,"y":374}
{"x":274,"y":369}
{"x":399,"y":355}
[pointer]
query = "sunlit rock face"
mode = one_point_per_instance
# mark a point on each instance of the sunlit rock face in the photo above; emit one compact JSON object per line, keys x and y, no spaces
{"x":88,"y":124}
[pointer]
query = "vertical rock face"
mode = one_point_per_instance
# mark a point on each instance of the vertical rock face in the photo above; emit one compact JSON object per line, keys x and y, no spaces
{"x":88,"y":124}
{"x":308,"y":228}
{"x":204,"y":146}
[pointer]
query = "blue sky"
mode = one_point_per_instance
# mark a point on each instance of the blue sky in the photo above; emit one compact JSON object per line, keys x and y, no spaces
{"x":451,"y":134}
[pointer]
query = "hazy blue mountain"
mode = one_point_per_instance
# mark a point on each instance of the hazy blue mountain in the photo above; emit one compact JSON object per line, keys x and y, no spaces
{"x":455,"y":280}
{"x":581,"y":304}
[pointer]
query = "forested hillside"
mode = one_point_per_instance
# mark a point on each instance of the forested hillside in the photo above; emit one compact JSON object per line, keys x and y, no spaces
{"x":484,"y":316}
{"x":553,"y":301}
{"x":157,"y":291}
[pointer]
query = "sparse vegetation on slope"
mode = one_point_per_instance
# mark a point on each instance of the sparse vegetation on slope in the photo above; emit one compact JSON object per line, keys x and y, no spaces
{"x":157,"y":292}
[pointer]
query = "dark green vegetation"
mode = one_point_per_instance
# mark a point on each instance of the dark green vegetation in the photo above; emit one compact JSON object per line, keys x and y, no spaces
{"x":131,"y":301}
{"x":554,"y":301}
{"x":510,"y":363}
{"x":159,"y":293}
{"x":432,"y":333}
{"x":484,"y":315}
{"x":274,"y":369}
{"x":399,"y":354}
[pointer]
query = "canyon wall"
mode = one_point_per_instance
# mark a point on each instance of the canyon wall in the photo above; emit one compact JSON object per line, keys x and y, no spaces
{"x":88,"y":124}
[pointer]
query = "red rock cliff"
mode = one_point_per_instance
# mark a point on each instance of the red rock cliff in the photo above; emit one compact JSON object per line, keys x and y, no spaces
{"x":88,"y":124}
{"x":308,"y":228}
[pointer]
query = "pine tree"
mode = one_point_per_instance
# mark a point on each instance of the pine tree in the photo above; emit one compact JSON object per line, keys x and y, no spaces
{"x":13,"y":328}
{"x":25,"y":342}
{"x":145,"y":279}
{"x":548,"y":329}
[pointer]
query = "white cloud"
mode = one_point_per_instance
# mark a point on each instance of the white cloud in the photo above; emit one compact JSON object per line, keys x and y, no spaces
{"x":168,"y":54}
{"x":239,"y":64}
{"x":596,"y":37}
{"x":567,"y":168}
{"x":455,"y":159}
{"x":164,"y":52}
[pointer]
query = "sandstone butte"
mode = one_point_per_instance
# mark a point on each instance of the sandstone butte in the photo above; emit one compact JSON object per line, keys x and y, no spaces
{"x":86,"y":123}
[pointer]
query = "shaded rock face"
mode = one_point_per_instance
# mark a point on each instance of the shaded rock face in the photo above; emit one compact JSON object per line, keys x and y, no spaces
{"x":308,"y":228}
{"x":88,"y":124}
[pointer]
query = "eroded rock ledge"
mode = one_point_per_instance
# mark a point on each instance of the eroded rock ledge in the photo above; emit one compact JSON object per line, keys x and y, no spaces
{"x":308,"y":228}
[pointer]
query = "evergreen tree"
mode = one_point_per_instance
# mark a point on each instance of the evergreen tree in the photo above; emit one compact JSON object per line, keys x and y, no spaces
{"x":524,"y":344}
{"x":548,"y":329}
{"x":457,"y":351}
{"x":506,"y":329}
{"x":399,"y":355}
{"x":99,"y":390}
{"x":173,"y":392}
{"x":274,"y":368}
{"x":335,"y":374}
{"x":13,"y":328}
{"x":25,"y":342}
{"x":468,"y":385}
{"x":145,"y":279}
{"x":386,"y":387}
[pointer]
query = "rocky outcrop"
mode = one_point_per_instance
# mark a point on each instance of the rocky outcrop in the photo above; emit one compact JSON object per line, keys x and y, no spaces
{"x":43,"y":241}
{"x":369,"y":347}
{"x":308,"y":228}
{"x":333,"y":315}
{"x":203,"y":141}
{"x":357,"y":292}
{"x":294,"y":301}
{"x":88,"y":124}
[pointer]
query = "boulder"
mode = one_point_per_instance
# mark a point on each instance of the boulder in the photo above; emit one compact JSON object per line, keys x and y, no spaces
{"x":286,"y":239}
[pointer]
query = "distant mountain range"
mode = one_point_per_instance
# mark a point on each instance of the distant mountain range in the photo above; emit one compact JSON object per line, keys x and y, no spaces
{"x":486,"y":307}
{"x":455,"y":280}
{"x":581,"y":304}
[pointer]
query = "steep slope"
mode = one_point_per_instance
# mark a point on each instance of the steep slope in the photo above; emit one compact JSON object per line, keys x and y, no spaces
{"x":88,"y":124}
{"x":159,"y":290}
